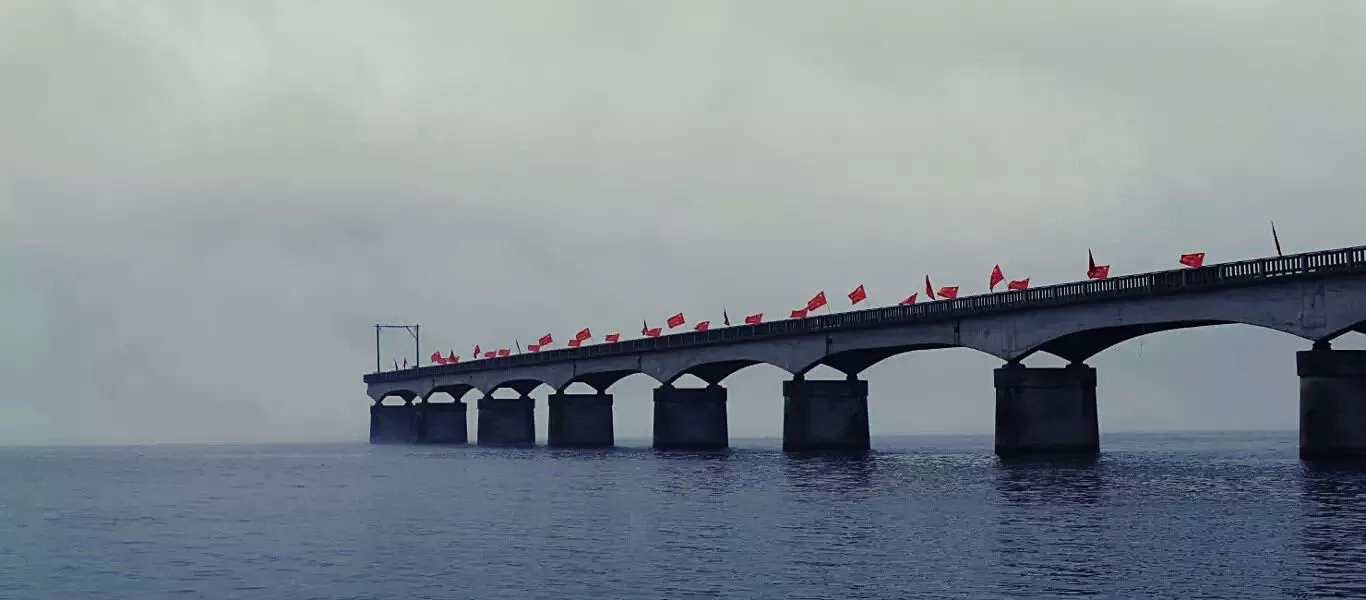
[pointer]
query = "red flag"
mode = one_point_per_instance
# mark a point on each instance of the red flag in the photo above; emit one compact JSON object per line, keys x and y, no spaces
{"x":816,"y":301}
{"x":504,"y":352}
{"x":996,"y":277}
{"x":702,"y":326}
{"x":490,"y":354}
{"x":1018,"y":284}
{"x":476,"y":351}
{"x":533,"y":347}
{"x":546,"y":340}
{"x":613,"y":337}
{"x":725,"y":317}
{"x":948,"y":292}
{"x":575,"y":343}
{"x":754,"y":319}
{"x":453,"y":358}
{"x":651,"y":332}
{"x":676,"y":320}
{"x":1094,"y":271}
{"x":583,"y":334}
{"x":929,"y":291}
{"x":909,"y":299}
{"x":405,"y":363}
{"x":858,"y":295}
{"x":799,"y":313}
{"x":1193,"y":260}
{"x":1276,"y":238}
{"x":437,"y":358}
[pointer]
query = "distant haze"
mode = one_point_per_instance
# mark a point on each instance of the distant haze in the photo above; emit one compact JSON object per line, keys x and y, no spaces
{"x":205,"y":206}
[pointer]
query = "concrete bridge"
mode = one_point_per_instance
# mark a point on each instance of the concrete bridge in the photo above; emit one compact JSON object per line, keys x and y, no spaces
{"x":1316,"y":296}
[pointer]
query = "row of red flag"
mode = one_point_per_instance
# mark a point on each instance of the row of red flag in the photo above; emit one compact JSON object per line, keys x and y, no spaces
{"x":856,"y":297}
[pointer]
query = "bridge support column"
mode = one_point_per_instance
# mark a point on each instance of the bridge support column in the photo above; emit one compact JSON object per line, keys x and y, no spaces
{"x":690,"y":418}
{"x":442,"y":423}
{"x":393,"y":424}
{"x":581,"y":421}
{"x":507,"y":421}
{"x":1332,"y":403}
{"x":1046,"y":411}
{"x":825,"y":415}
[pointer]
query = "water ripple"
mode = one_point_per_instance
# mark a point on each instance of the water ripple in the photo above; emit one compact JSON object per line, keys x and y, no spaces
{"x":1175,"y":516}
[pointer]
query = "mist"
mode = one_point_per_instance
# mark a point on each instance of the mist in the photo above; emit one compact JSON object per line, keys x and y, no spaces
{"x":206,"y":206}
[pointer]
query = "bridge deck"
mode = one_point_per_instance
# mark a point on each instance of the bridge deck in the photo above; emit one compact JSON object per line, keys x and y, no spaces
{"x":1327,"y":263}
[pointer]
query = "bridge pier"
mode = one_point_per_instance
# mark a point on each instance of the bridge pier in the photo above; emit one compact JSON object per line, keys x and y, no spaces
{"x":825,"y":415}
{"x":393,"y":424}
{"x":442,"y":423}
{"x":690,"y":418}
{"x":580,"y":421}
{"x":1046,"y":410}
{"x":506,"y":421}
{"x":1332,"y":403}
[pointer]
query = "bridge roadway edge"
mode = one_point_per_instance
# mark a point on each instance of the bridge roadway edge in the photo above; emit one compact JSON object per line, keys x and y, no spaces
{"x":1324,"y":299}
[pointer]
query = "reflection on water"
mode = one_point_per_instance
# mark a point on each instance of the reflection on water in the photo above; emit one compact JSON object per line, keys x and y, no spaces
{"x":1059,"y":480}
{"x":1049,"y":529}
{"x":816,"y":477}
{"x":1233,"y":517}
{"x":1333,"y":530}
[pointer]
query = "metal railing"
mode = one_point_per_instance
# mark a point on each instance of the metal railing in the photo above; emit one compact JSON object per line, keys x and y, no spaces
{"x":1161,"y":283}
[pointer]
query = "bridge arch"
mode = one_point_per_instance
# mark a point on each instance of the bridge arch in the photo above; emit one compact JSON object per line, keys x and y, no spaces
{"x":522,"y":379}
{"x":603,"y":380}
{"x":714,"y":364}
{"x":523,"y":387}
{"x":406,"y":395}
{"x":1299,"y":308}
{"x":457,"y":391}
{"x":717,"y":372}
{"x":855,"y":361}
{"x":1082,"y":345}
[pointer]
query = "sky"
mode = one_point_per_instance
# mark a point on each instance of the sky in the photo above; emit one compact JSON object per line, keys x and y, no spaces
{"x":206,"y":206}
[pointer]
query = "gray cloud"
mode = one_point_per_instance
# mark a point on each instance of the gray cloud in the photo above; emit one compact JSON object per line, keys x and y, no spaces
{"x":206,"y":205}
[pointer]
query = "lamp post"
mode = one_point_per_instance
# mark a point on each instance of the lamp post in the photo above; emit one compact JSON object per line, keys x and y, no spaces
{"x":413,"y":330}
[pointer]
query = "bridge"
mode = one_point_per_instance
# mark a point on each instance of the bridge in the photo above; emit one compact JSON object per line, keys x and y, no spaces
{"x":1316,"y":296}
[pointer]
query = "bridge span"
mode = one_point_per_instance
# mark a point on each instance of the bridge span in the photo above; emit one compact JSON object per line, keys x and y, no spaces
{"x":1316,"y":296}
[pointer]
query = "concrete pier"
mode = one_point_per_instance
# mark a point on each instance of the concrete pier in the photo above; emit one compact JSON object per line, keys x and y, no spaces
{"x":393,"y":424}
{"x":580,"y":421}
{"x":1332,"y":403}
{"x":690,"y":418}
{"x":1046,"y":410}
{"x":506,"y":421}
{"x":442,"y":423}
{"x":825,"y":415}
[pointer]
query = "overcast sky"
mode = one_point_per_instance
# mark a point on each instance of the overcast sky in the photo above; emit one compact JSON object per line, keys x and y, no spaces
{"x":205,"y":206}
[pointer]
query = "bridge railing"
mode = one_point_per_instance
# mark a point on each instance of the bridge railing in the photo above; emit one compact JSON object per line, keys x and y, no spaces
{"x":1100,"y":290}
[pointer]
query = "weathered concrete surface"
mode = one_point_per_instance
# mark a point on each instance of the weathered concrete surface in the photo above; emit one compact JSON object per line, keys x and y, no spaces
{"x":825,"y":415}
{"x":442,"y":423}
{"x":690,"y":418}
{"x":506,"y":421}
{"x":580,"y":421}
{"x":1332,"y":404}
{"x":393,"y":424}
{"x":1046,"y":411}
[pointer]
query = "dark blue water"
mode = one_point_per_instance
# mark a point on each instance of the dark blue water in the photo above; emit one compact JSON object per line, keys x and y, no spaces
{"x":1208,"y":516}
